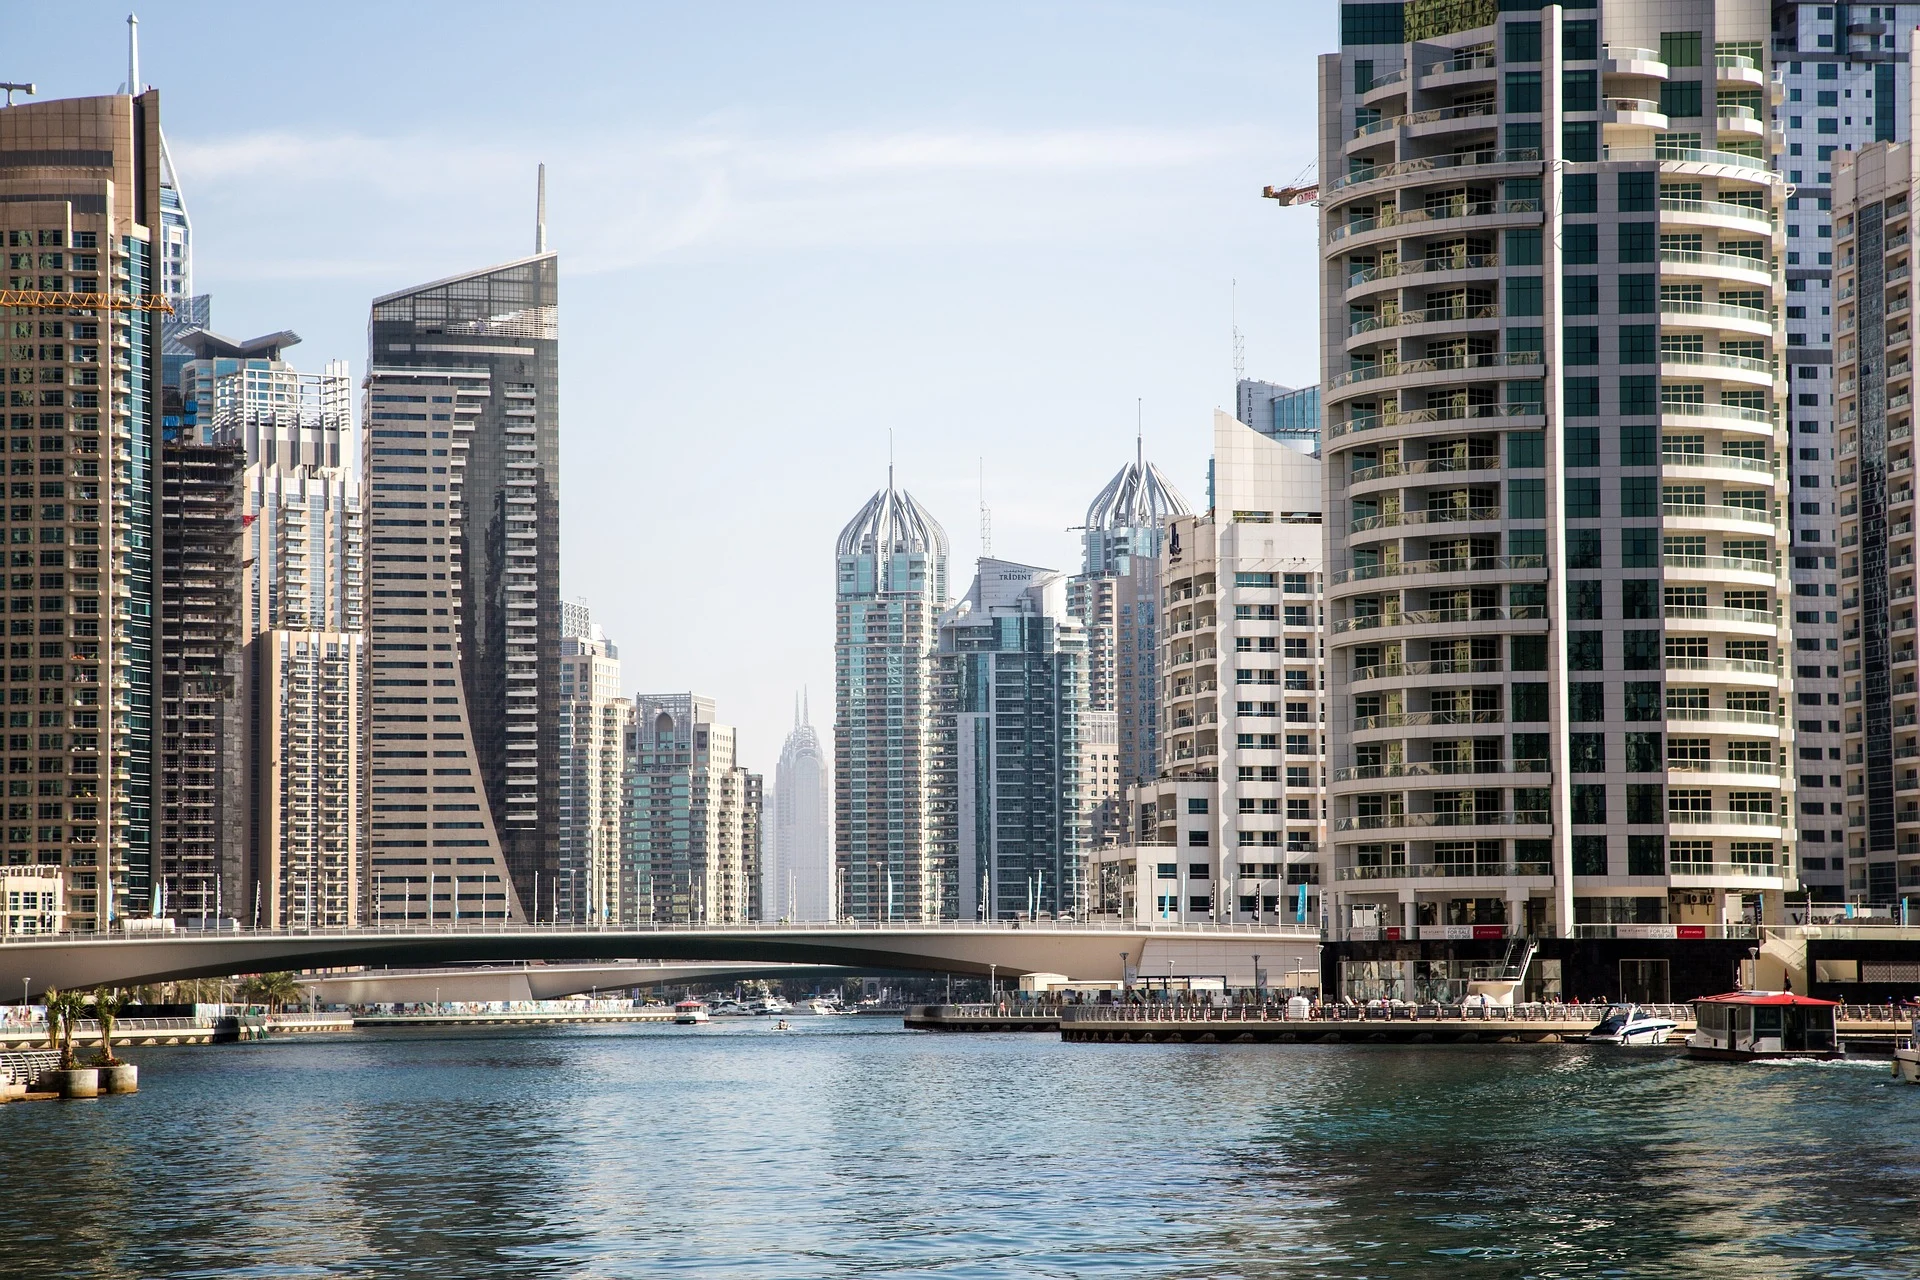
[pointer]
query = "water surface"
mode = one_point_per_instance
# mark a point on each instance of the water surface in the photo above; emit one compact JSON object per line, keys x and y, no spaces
{"x":849,"y":1147}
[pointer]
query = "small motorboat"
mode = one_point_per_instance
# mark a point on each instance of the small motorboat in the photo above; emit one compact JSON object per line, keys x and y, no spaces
{"x":1630,"y":1024}
{"x":783,"y":1025}
{"x":690,"y":1013}
{"x":1906,"y":1055}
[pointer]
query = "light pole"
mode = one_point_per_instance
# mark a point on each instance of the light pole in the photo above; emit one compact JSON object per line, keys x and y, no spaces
{"x":24,"y":984}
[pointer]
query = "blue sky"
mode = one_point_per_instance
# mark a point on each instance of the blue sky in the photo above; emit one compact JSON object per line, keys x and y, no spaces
{"x":784,"y":231}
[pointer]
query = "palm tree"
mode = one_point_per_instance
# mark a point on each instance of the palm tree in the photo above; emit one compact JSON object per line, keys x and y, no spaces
{"x":63,"y":1010}
{"x":107,"y":1004}
{"x":275,"y":990}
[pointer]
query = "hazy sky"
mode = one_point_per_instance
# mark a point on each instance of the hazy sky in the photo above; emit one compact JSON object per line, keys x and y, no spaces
{"x":783,"y":231}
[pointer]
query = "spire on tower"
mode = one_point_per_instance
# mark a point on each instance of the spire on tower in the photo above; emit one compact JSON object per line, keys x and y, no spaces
{"x":540,"y":214}
{"x":133,"y":55}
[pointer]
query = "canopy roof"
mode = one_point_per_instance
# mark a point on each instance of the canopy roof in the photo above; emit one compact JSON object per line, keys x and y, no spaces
{"x":1768,"y":998}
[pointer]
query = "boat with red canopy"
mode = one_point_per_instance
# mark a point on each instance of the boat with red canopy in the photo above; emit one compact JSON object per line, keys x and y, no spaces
{"x":1743,"y":1026}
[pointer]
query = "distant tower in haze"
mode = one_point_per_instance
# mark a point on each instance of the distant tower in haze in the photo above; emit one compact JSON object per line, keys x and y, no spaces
{"x":799,"y":883}
{"x":891,"y":585}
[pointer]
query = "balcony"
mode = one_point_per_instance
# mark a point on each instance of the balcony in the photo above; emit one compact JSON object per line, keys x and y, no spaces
{"x":1438,"y":115}
{"x":1715,"y":209}
{"x":1635,"y":113}
{"x":1450,"y":211}
{"x":1441,"y":515}
{"x":1468,"y":818}
{"x":1430,"y":364}
{"x":1431,"y":617}
{"x":1405,"y":568}
{"x":1480,"y":159}
{"x":1404,"y":719}
{"x":1450,"y":313}
{"x":1444,"y":871}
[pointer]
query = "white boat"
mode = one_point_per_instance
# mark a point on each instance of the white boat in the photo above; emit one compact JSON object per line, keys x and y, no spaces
{"x":690,"y":1013}
{"x":1630,"y":1024}
{"x":824,"y":1008}
{"x":769,"y":1006}
{"x":1906,"y":1056}
{"x":733,"y":1009}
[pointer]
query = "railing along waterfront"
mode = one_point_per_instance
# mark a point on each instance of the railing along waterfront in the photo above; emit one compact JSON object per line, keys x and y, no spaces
{"x":765,"y":928}
{"x":1201,"y":1010}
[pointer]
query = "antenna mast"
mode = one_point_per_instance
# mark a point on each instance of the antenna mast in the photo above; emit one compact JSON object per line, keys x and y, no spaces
{"x":1239,"y":341}
{"x":986,"y":516}
{"x":133,"y":55}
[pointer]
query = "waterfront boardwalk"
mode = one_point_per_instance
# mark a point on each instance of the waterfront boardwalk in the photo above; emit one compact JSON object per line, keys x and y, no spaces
{"x":1866,"y":1028}
{"x":454,"y":1017}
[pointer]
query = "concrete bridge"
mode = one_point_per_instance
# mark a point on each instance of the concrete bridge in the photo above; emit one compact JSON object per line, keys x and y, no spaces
{"x":489,"y":982}
{"x":1079,"y":950}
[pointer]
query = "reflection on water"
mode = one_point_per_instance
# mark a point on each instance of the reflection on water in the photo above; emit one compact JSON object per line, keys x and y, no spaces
{"x":854,"y":1148}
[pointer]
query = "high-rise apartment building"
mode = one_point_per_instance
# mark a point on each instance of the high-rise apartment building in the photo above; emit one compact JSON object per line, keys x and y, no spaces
{"x":692,"y":840}
{"x":435,"y":853}
{"x":79,"y":213}
{"x":891,"y":586}
{"x":1847,"y":81}
{"x":1557,"y":545}
{"x":1116,"y":596}
{"x":1230,"y":830}
{"x":1875,"y":191}
{"x":1010,"y":699}
{"x":592,"y":755}
{"x":502,"y":323}
{"x":302,"y":693}
{"x":798,"y":884}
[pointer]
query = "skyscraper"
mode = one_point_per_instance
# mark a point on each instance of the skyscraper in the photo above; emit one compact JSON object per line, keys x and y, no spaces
{"x":301,"y":622}
{"x":592,"y":752}
{"x":79,"y":211}
{"x":692,"y":842}
{"x":1284,"y":413}
{"x":1552,"y":349}
{"x":1876,"y":189}
{"x":798,"y":884}
{"x":1848,"y":82}
{"x":1116,"y":596}
{"x":1010,"y":696}
{"x":891,"y":585}
{"x":436,"y":854}
{"x":501,"y":323}
{"x":1230,"y":829}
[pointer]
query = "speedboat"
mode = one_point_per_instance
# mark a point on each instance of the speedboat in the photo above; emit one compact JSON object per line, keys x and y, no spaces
{"x":690,"y":1013}
{"x":1630,"y":1024}
{"x":1906,"y":1056}
{"x":783,"y":1025}
{"x":825,"y":1008}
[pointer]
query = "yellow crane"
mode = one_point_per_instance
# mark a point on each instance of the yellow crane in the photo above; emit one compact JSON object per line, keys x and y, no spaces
{"x":1302,"y":190}
{"x":56,"y":300}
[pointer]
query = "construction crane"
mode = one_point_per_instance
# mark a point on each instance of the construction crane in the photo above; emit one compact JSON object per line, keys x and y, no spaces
{"x":53,"y":300}
{"x":1304,"y":189}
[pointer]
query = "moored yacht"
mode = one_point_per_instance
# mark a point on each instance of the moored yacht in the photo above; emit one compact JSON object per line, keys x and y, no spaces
{"x":1906,"y":1055}
{"x":1630,"y":1024}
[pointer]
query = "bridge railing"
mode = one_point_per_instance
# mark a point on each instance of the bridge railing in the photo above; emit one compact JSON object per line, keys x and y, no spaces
{"x":1283,"y":933}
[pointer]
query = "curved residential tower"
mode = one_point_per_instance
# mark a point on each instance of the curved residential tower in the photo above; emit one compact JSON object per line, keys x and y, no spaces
{"x":891,"y":585}
{"x":1552,"y":345}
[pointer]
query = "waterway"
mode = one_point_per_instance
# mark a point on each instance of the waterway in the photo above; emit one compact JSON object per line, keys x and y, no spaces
{"x":850,"y":1147}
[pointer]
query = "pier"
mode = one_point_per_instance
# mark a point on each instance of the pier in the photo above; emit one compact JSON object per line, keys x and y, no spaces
{"x":509,"y":1017}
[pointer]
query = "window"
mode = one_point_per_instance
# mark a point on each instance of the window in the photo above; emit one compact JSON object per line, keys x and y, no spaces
{"x":1580,"y":295}
{"x":1639,"y":496}
{"x":1296,"y":584}
{"x":1526,"y":499}
{"x":1253,"y":579}
{"x":1581,"y":344}
{"x":1646,"y":804}
{"x":1642,"y":699}
{"x":1586,"y":701}
{"x":1585,"y":649}
{"x":1680,"y":99}
{"x":1523,"y":42}
{"x":1589,"y":855}
{"x":1580,"y":244}
{"x":1529,"y":703}
{"x":1529,"y":752}
{"x":1644,"y":754}
{"x":1196,"y":804}
{"x":1583,"y":499}
{"x":1637,"y":346}
{"x":1197,"y":838}
{"x":1524,"y":296}
{"x":1580,"y":193}
{"x":1580,"y":41}
{"x":1582,"y":446}
{"x":1639,"y":442}
{"x":1583,"y":401}
{"x":1639,"y":295}
{"x":1640,"y":650}
{"x":1646,"y":855}
{"x":1677,"y":48}
{"x":1635,"y":192}
{"x":1637,"y":598}
{"x":1523,"y":92}
{"x":1588,"y":752}
{"x":1523,"y":248}
{"x":1637,"y":241}
{"x":1583,"y":548}
{"x":1639,"y":548}
{"x":1526,"y":449}
{"x":1579,"y":91}
{"x":1589,"y":803}
{"x":1583,"y":604}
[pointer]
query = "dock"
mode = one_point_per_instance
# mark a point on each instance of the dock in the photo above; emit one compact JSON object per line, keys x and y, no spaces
{"x":511,"y":1018}
{"x":982,"y":1017}
{"x":126,"y":1031}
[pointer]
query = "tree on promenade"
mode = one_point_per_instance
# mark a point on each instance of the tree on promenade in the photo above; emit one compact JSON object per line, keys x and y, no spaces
{"x":107,"y":1004}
